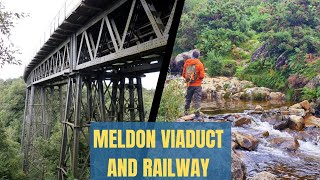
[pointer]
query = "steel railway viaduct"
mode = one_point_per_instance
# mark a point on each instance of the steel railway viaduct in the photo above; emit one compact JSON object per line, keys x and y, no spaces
{"x":89,"y":69}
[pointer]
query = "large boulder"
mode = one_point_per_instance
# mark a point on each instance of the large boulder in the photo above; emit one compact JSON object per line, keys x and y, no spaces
{"x":246,"y":141}
{"x":256,"y":93}
{"x":176,"y":64}
{"x":296,"y":81}
{"x":297,"y":112}
{"x":296,"y":106}
{"x":312,"y":121}
{"x":261,"y":53}
{"x":238,"y":168}
{"x":264,"y":176}
{"x":277,"y":96}
{"x":287,"y":143}
{"x":281,"y":124}
{"x":259,"y":108}
{"x":278,"y":121}
{"x":305,"y":105}
{"x":242,"y":121}
{"x":296,"y":122}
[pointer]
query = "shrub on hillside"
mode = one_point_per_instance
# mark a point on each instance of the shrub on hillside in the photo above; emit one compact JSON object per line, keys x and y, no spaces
{"x":310,"y":94}
{"x":214,"y":64}
{"x":172,"y":101}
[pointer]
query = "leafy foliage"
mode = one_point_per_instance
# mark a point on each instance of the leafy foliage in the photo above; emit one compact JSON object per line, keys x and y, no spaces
{"x":214,"y":64}
{"x":228,"y":33}
{"x":11,"y":116}
{"x":311,"y":94}
{"x":12,"y":97}
{"x":172,"y":101}
{"x":7,"y":49}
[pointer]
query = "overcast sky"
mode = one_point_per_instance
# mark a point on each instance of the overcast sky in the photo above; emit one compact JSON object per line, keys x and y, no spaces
{"x":28,"y":32}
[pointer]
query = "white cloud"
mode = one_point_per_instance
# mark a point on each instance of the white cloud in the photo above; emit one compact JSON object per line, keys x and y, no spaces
{"x":28,"y":31}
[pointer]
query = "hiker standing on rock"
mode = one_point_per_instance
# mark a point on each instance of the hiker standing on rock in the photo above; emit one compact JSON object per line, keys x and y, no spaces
{"x":193,"y":72}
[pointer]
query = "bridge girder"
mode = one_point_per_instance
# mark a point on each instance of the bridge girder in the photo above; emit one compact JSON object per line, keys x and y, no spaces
{"x":93,"y":75}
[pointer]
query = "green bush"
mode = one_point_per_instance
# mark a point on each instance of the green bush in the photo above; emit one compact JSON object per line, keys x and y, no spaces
{"x":220,"y":66}
{"x":290,"y":94}
{"x":214,"y":64}
{"x":263,"y":74}
{"x":229,"y":67}
{"x":310,"y":94}
{"x":172,"y":101}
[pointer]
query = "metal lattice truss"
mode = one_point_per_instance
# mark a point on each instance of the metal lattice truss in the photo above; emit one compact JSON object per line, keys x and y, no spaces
{"x":98,"y":100}
{"x":112,"y":38}
{"x":40,"y":115}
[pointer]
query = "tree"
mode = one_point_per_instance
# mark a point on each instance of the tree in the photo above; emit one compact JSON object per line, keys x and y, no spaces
{"x":12,"y":95}
{"x":7,"y":49}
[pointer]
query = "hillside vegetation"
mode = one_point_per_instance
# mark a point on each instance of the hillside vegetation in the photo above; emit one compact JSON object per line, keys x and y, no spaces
{"x":12,"y":102}
{"x":12,"y":96}
{"x":273,"y":43}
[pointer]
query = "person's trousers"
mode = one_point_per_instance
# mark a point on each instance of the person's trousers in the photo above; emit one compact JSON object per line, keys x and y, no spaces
{"x":196,"y":93}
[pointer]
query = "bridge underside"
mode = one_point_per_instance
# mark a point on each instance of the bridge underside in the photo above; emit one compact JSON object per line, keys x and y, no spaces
{"x":90,"y":70}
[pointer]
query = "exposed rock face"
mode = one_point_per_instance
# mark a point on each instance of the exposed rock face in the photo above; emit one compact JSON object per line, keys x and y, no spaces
{"x":260,"y":53}
{"x":315,"y":82}
{"x":296,"y":81}
{"x":232,"y":87}
{"x":296,"y":122}
{"x":264,"y":176}
{"x":242,"y":121}
{"x":223,"y":87}
{"x":246,"y":141}
{"x":281,"y":60}
{"x":238,"y":168}
{"x":287,"y":143}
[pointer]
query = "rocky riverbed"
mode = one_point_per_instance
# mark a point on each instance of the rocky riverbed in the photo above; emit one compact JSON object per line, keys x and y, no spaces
{"x":271,"y":138}
{"x":273,"y":143}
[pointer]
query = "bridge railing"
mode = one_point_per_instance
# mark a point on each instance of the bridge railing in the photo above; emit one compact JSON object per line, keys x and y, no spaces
{"x":58,"y":19}
{"x":103,"y":40}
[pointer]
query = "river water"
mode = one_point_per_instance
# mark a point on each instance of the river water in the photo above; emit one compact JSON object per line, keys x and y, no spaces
{"x":301,"y":164}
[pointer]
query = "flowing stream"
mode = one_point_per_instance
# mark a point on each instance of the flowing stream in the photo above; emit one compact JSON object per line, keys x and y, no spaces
{"x":301,"y":164}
